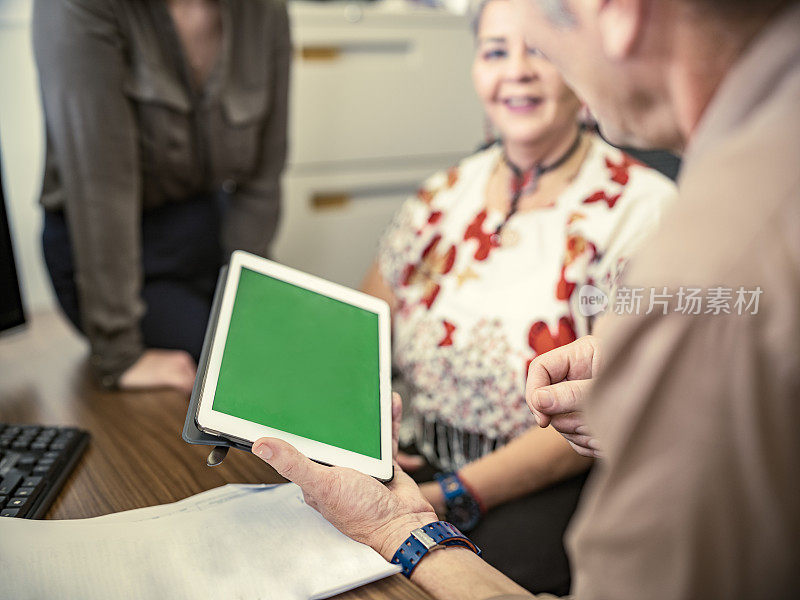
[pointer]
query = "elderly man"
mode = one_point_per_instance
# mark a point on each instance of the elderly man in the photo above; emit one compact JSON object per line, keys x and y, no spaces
{"x":696,"y":412}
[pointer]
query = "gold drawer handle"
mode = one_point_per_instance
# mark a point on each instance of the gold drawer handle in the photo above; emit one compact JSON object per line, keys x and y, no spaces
{"x":326,"y":201}
{"x":320,"y":53}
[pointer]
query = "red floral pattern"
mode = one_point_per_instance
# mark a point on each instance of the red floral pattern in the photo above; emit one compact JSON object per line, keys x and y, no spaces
{"x":620,"y":172}
{"x":449,"y":328}
{"x":564,"y":288}
{"x":430,"y":297}
{"x":486,"y":241}
{"x":602,"y":196}
{"x":542,"y":340}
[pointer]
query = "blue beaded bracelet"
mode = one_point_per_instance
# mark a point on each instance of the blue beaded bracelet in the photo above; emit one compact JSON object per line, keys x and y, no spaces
{"x":421,"y":540}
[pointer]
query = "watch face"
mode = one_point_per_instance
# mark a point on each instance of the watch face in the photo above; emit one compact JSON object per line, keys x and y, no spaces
{"x":464,"y":513}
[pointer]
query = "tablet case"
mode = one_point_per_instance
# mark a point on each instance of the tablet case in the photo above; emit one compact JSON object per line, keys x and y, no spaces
{"x":191,"y":433}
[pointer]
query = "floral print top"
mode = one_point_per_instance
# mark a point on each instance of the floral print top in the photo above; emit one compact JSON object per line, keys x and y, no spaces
{"x":474,"y":309}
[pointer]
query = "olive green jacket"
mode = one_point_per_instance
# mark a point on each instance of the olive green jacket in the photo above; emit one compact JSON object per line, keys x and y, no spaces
{"x":127,"y":131}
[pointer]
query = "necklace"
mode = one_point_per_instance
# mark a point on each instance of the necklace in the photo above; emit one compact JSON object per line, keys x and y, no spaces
{"x":526,"y":182}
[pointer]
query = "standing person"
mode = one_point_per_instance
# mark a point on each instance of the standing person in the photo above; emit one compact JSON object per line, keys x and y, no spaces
{"x":695,"y":413}
{"x":166,"y":138}
{"x":484,"y":269}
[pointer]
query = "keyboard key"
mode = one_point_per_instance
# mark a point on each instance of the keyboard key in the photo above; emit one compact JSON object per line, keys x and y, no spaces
{"x":21,"y":444}
{"x":43,"y":470}
{"x":3,"y":500}
{"x":19,"y":503}
{"x":26,"y":463}
{"x":10,"y":483}
{"x":9,"y":512}
{"x":52,"y":454}
{"x":25,"y":492}
{"x":23,"y":505}
{"x":40,"y":445}
{"x":32,"y":481}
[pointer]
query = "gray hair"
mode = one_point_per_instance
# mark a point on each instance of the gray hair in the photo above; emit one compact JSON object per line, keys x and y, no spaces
{"x":477,"y":15}
{"x":556,"y":11}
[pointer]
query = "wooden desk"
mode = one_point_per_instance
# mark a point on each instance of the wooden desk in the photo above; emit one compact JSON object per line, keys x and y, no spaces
{"x":136,"y":456}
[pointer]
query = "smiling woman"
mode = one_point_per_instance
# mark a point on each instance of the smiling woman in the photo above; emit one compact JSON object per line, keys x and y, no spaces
{"x":483,"y":269}
{"x":524,"y":95}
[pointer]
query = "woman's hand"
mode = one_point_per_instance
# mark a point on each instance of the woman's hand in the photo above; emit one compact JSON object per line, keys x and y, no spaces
{"x":558,"y":383}
{"x":432,"y":492}
{"x":410,"y":462}
{"x":160,"y":368}
{"x":381,"y":516}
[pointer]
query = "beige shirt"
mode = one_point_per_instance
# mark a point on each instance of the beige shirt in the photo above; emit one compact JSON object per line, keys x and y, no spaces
{"x":699,"y":416}
{"x":127,"y":130}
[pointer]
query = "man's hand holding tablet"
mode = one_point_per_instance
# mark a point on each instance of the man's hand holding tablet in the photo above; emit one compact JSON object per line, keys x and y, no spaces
{"x":380,"y":516}
{"x":303,"y":360}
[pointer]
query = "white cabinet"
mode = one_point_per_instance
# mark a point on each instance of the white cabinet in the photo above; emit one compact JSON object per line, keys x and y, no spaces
{"x":381,"y":97}
{"x":332,"y":221}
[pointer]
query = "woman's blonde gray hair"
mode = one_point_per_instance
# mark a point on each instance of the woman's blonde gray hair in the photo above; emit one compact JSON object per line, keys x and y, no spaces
{"x":556,"y":11}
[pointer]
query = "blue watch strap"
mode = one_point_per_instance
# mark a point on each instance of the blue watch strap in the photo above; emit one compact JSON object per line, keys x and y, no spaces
{"x":421,"y":540}
{"x":464,"y":507}
{"x":452,"y":486}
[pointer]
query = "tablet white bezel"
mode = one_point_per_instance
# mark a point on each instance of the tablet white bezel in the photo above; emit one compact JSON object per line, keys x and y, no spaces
{"x":219,"y":423}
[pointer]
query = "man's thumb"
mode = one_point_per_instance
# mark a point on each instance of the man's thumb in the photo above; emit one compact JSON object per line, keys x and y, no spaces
{"x":560,"y":398}
{"x":287,"y":461}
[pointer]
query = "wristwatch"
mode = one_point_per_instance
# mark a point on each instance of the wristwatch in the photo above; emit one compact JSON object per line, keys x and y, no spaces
{"x":423,"y":539}
{"x":464,"y":509}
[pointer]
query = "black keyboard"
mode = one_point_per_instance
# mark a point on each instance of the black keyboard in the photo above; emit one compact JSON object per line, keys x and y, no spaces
{"x":34,"y":465}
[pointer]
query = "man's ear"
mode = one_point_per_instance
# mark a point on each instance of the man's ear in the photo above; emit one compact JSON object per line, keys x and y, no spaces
{"x":620,"y":23}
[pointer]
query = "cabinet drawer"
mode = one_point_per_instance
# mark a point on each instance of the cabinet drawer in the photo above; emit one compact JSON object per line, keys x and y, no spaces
{"x":331,"y":223}
{"x":383,"y":87}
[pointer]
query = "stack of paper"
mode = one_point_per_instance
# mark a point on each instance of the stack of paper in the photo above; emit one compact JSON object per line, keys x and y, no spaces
{"x":237,"y":541}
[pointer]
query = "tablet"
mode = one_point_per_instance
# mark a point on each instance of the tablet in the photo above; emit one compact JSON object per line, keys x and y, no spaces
{"x":301,"y":359}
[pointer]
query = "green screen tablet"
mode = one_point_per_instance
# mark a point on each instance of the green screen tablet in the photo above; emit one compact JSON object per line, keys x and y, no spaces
{"x":303,"y":359}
